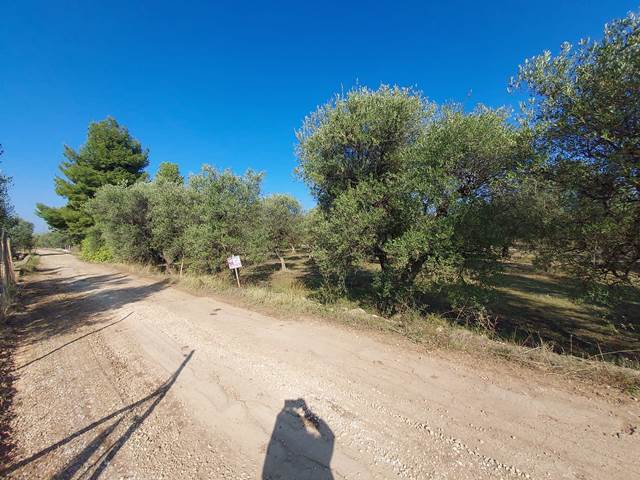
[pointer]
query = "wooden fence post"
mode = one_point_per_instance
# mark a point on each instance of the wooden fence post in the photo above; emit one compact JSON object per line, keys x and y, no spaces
{"x":7,"y":275}
{"x":12,"y":273}
{"x":3,"y":273}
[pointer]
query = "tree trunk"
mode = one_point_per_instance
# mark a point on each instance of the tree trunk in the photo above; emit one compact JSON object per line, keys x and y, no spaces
{"x":283,"y":265}
{"x":382,"y":257}
{"x":413,"y":269}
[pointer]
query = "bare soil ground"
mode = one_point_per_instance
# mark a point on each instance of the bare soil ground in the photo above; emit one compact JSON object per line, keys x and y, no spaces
{"x":120,"y":376}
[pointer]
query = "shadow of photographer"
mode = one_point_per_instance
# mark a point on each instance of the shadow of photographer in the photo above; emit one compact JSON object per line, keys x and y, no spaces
{"x":301,"y":445}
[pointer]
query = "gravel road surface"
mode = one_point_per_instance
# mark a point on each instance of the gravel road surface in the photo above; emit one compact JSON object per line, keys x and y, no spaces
{"x":121,"y":376}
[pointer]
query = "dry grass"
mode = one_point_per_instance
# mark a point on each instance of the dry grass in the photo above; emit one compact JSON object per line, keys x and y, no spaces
{"x":537,"y":308}
{"x":24,"y":267}
{"x":435,"y":332}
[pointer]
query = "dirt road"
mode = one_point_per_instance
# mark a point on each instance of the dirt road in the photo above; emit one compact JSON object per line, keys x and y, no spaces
{"x":125,"y":377}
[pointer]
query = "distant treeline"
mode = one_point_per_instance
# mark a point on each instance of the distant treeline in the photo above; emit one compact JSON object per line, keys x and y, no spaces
{"x":432,"y":193}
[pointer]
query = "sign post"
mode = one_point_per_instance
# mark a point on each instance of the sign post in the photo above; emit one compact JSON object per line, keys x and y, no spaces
{"x":235,"y":264}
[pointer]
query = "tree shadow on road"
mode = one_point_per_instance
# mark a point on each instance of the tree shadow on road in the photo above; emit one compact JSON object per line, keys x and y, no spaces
{"x":58,"y":306}
{"x":73,"y":341}
{"x":134,"y":414}
{"x":301,"y":445}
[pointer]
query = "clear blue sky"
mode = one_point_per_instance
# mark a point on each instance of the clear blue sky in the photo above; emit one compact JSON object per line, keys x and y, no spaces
{"x":229,"y":83}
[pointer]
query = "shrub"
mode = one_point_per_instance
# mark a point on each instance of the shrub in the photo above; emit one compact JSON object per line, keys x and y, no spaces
{"x":93,"y":249}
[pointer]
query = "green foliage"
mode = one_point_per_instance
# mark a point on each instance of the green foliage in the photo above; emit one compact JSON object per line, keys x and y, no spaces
{"x":21,"y":233}
{"x":169,"y":173}
{"x":407,"y":183}
{"x":198,"y":225}
{"x":121,"y":213}
{"x":6,"y":209}
{"x":93,"y":248}
{"x":226,"y":219}
{"x":584,"y":110}
{"x":53,"y":239}
{"x":171,"y":212}
{"x":310,"y":223}
{"x":358,"y":136}
{"x":110,"y":156}
{"x":282,"y":217}
{"x":19,"y":230}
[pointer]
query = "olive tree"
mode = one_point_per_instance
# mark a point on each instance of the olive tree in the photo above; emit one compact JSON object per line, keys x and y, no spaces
{"x":169,"y":172}
{"x":171,"y":212}
{"x":585,"y":112}
{"x":171,"y":207}
{"x":282,"y":217}
{"x":401,"y":180}
{"x":226,"y":219}
{"x":121,"y":215}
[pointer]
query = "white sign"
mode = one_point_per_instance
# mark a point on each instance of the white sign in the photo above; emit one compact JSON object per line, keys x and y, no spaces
{"x":234,"y":262}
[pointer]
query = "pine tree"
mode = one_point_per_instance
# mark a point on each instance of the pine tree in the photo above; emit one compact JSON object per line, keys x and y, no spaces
{"x":110,"y":156}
